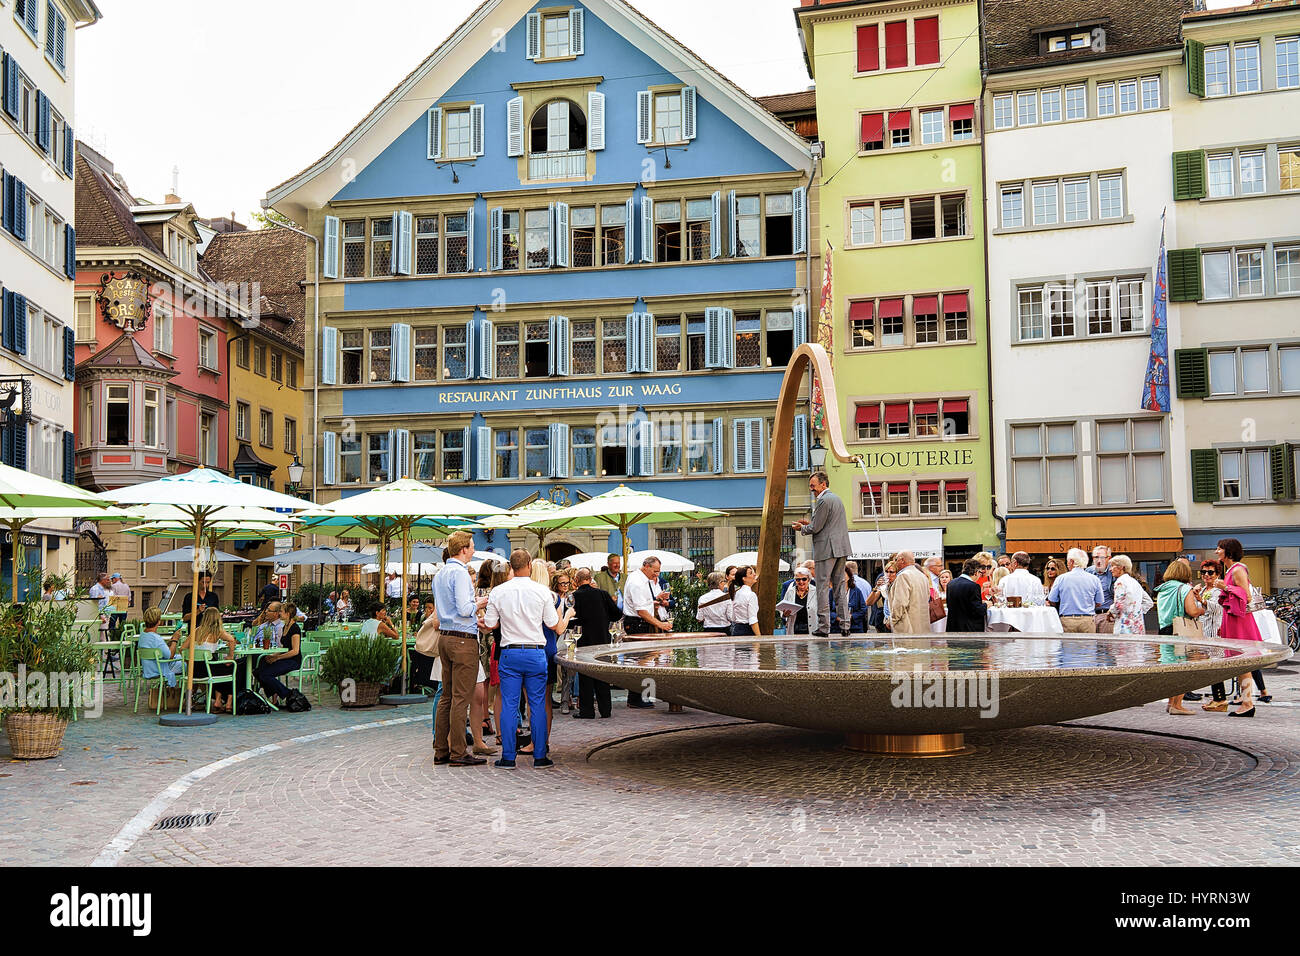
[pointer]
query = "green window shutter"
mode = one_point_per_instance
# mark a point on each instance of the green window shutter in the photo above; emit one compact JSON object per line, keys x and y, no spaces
{"x":1283,"y":478}
{"x":1194,"y":55}
{"x":1205,"y":474}
{"x":1184,"y":275}
{"x":1189,"y":174}
{"x":1192,"y":372}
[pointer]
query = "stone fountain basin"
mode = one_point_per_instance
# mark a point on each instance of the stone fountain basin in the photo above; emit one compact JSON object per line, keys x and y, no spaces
{"x":874,"y":684}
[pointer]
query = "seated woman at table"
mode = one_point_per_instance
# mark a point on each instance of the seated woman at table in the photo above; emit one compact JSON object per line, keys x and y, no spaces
{"x":275,"y":666}
{"x":380,"y":624}
{"x":150,"y":639}
{"x":209,"y":636}
{"x":343,"y":609}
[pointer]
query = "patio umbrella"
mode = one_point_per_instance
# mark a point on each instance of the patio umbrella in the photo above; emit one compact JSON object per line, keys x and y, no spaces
{"x":742,"y":558}
{"x":15,"y":520}
{"x":200,"y":495}
{"x":395,"y":509}
{"x":526,"y":517}
{"x":420,"y":554}
{"x":186,"y":554}
{"x":333,"y":557}
{"x":22,"y":489}
{"x":624,"y":507}
{"x":214,"y":531}
{"x":595,"y":560}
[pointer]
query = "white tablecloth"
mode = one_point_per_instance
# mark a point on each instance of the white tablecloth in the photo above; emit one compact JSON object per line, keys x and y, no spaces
{"x":1269,"y":629}
{"x":1028,"y":620}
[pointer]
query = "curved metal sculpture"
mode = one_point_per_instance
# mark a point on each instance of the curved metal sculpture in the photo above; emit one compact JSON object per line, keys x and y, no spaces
{"x":769,"y":535}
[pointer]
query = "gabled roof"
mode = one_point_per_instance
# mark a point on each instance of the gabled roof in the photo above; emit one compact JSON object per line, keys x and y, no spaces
{"x":780,"y":103}
{"x":124,"y":352}
{"x":475,"y":37}
{"x":104,"y":205}
{"x":1012,"y":28}
{"x":276,"y":259}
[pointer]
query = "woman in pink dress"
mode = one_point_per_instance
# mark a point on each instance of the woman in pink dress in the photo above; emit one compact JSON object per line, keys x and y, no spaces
{"x":1238,"y":623}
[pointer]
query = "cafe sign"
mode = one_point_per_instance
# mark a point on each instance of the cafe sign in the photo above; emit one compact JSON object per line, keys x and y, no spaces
{"x":124,"y":300}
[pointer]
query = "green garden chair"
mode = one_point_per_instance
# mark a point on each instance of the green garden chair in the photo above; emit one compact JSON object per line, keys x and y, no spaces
{"x":311,"y":652}
{"x":151,"y":654}
{"x":203,"y":677}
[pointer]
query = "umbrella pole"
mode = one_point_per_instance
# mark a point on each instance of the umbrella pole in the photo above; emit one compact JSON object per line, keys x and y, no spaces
{"x":194,"y":618}
{"x":406,"y":564}
{"x":15,"y":533}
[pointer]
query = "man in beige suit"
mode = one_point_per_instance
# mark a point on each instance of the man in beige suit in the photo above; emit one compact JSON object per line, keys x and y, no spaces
{"x":909,"y":597}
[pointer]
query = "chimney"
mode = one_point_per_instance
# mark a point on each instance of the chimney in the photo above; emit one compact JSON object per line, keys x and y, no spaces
{"x":171,"y":199}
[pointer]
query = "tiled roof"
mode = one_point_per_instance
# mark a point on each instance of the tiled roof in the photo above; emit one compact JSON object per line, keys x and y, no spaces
{"x":789,"y":102}
{"x":1130,"y":27}
{"x":1245,"y":9}
{"x":103,"y":215}
{"x":275,"y":258}
{"x":125,"y":352}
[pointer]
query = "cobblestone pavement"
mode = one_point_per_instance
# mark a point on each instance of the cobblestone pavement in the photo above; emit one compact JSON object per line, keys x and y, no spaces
{"x":1135,"y":786}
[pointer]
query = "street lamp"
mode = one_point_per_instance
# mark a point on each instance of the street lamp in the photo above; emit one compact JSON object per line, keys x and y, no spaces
{"x":295,"y":475}
{"x":817,"y":455}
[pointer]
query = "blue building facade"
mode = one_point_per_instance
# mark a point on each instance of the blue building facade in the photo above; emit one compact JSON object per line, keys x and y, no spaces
{"x":563,"y":255}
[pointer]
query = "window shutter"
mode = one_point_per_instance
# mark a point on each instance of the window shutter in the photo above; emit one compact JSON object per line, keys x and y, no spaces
{"x":731,"y":223}
{"x":31,"y":16}
{"x":469,"y":240}
{"x":401,"y":352}
{"x":644,"y":134}
{"x":404,"y":234}
{"x":20,"y":209}
{"x":1205,"y":474}
{"x":1184,"y":267}
{"x":7,"y":445}
{"x":69,"y":251}
{"x":20,"y":324}
{"x":69,"y":151}
{"x":329,"y":363}
{"x":19,"y":459}
{"x":69,"y":353}
{"x":560,"y":235}
{"x":577,"y":32}
{"x":396,"y":251}
{"x":483,"y":453}
{"x":435,"y":133}
{"x":757,"y":448}
{"x":647,"y":342}
{"x":515,"y":127}
{"x":1283,"y":479}
{"x":467,"y":463}
{"x":401,"y":447}
{"x":69,"y":459}
{"x":43,"y":121}
{"x":1189,"y":174}
{"x":534,"y":35}
{"x":646,"y":449}
{"x":494,"y":239}
{"x":632,"y":332}
{"x":629,"y":247}
{"x":60,"y":42}
{"x":647,"y":229}
{"x":8,"y":220}
{"x":595,"y":121}
{"x":740,"y":445}
{"x":799,"y":221}
{"x":1194,"y":53}
{"x":558,"y":359}
{"x":559,"y":453}
{"x":329,"y":457}
{"x":12,"y":91}
{"x":688,"y":112}
{"x":800,"y":441}
{"x":715,"y":227}
{"x":486,"y":350}
{"x":330,"y":265}
{"x":7,"y":338}
{"x":476,"y":129}
{"x":713,"y":354}
{"x":50,"y":16}
{"x":800,"y":325}
{"x":1192,"y":372}
{"x":717,"y":446}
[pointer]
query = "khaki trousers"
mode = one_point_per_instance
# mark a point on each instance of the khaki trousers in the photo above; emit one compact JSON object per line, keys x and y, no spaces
{"x":459,"y":656}
{"x":1079,"y":624}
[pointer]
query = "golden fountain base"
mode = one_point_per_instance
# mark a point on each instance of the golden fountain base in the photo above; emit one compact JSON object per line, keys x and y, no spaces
{"x":909,"y":745}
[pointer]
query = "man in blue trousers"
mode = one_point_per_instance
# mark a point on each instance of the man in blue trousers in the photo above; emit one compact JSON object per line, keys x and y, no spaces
{"x":521,"y":606}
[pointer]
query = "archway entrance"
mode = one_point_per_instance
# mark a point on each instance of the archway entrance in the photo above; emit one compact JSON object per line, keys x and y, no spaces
{"x":560,"y":549}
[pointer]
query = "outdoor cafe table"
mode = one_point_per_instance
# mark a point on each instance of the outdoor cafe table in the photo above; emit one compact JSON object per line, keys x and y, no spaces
{"x":257,"y":653}
{"x":1028,"y":620}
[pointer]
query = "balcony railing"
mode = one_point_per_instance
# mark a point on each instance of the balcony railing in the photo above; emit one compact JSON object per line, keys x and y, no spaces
{"x":566,"y":164}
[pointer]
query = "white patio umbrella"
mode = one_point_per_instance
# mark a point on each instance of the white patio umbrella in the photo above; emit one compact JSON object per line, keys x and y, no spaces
{"x":742,"y":558}
{"x":15,"y":520}
{"x":22,"y":489}
{"x":200,"y":496}
{"x":595,"y":560}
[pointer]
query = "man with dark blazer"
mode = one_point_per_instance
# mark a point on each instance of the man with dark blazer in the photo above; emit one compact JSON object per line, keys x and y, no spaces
{"x":594,"y":610}
{"x":966,"y":608}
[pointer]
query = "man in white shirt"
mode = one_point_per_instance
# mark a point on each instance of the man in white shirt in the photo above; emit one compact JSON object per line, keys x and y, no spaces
{"x":641,"y":604}
{"x":393,"y":587}
{"x":1021,"y":583}
{"x":521,"y":607}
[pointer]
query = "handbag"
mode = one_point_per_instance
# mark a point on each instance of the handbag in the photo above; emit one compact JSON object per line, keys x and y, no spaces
{"x":1184,"y":626}
{"x":428,"y":639}
{"x":937,"y":611}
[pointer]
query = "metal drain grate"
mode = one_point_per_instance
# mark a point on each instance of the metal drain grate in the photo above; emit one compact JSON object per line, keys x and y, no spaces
{"x":187,"y":821}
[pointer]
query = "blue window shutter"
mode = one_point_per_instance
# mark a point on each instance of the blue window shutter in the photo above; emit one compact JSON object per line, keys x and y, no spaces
{"x":595,"y":121}
{"x":647,"y":229}
{"x":12,"y":91}
{"x":644,"y":134}
{"x":688,"y":112}
{"x":646,"y":449}
{"x":534,"y":34}
{"x":559,"y":449}
{"x":69,"y":151}
{"x":629,"y":247}
{"x":69,"y":353}
{"x":712,"y":338}
{"x":8,"y":203}
{"x":20,"y":209}
{"x":800,"y":439}
{"x":399,"y":451}
{"x":560,"y":237}
{"x":69,"y":458}
{"x":515,"y":126}
{"x":471,"y":352}
{"x":329,"y":268}
{"x":401,"y":352}
{"x":717,"y":446}
{"x":483,"y":453}
{"x":20,"y":324}
{"x":728,"y":338}
{"x":715,"y":227}
{"x":7,"y":340}
{"x":740,"y":445}
{"x":329,"y":458}
{"x":477,"y":140}
{"x":434,"y":119}
{"x":20,"y":445}
{"x":757,"y":445}
{"x":69,"y":251}
{"x":731,"y":224}
{"x":7,"y":445}
{"x":563,"y":355}
{"x":632,"y":332}
{"x":406,"y":234}
{"x":43,"y":121}
{"x":329,"y":362}
{"x":466,"y":471}
{"x":469,"y":240}
{"x":485,"y":365}
{"x":32,"y":25}
{"x":800,"y":325}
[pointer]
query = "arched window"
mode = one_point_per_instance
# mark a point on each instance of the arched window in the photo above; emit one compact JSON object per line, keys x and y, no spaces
{"x":557,"y":126}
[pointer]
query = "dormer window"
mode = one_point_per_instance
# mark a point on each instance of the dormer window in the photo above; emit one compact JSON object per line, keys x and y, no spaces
{"x":1071,"y":41}
{"x":557,"y":126}
{"x":181,"y":250}
{"x":557,"y":33}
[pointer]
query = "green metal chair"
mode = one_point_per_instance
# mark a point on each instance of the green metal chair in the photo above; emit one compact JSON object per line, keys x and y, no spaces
{"x":311,"y":652}
{"x":156,"y":655}
{"x":130,"y":629}
{"x":210,"y":681}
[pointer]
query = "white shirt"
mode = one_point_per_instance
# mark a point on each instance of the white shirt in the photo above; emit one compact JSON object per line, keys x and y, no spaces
{"x":521,"y":606}
{"x":394,"y":588}
{"x":1020,"y":583}
{"x":744,"y":606}
{"x":715,"y":615}
{"x":639,"y":594}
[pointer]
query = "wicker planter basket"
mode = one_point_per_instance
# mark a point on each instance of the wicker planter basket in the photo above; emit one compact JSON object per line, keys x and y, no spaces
{"x":367,"y":693}
{"x":37,"y":736}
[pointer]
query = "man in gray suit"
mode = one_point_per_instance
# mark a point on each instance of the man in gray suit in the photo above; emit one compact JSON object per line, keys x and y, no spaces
{"x":830,"y":530}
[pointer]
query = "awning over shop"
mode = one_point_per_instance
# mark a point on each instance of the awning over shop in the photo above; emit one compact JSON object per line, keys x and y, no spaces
{"x":922,"y":542}
{"x":1123,"y":534}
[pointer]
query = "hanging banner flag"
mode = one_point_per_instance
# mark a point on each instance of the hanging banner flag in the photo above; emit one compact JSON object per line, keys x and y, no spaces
{"x":825,"y":338}
{"x":1155,"y":390}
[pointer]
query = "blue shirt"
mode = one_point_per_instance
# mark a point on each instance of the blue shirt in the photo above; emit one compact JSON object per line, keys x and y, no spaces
{"x":1107,"y":581}
{"x":1076,"y":593}
{"x":453,"y":591}
{"x":152,"y":640}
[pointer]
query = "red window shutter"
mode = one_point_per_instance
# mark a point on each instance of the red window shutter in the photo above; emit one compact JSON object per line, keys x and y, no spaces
{"x":896,"y":414}
{"x":868,"y":48}
{"x":867,"y":415}
{"x":895,"y":44}
{"x":962,"y":111}
{"x":925,"y":305}
{"x":927,"y":486}
{"x":902,"y":119}
{"x":891,"y":308}
{"x":955,"y":405}
{"x":955,"y":302}
{"x":927,"y":408}
{"x":861,"y":310}
{"x":926,"y":32}
{"x":873,"y":127}
{"x":955,"y":485}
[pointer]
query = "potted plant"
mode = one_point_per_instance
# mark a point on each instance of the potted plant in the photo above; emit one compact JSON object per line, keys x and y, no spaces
{"x":44,"y":667}
{"x":359,"y":667}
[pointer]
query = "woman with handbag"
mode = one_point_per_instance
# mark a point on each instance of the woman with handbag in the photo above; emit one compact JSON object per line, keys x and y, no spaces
{"x":1238,"y":622}
{"x":1178,"y":608}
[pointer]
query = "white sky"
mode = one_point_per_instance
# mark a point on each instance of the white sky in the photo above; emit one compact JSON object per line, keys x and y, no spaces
{"x":242,"y":95}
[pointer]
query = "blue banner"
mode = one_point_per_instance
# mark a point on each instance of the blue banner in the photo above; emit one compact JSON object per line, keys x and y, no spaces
{"x":1155,"y":389}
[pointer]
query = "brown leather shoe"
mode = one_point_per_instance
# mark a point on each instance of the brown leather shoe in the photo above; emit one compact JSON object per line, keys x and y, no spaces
{"x":469,"y":760}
